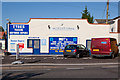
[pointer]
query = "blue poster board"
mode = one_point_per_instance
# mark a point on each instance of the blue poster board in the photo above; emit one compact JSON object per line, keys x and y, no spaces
{"x":19,"y":29}
{"x":57,"y":44}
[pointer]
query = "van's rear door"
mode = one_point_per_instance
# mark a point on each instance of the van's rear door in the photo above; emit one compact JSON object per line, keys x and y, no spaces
{"x":100,"y":45}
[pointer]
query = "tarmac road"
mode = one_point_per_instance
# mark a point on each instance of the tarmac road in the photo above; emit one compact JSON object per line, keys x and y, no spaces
{"x":39,"y":67}
{"x":61,"y":71}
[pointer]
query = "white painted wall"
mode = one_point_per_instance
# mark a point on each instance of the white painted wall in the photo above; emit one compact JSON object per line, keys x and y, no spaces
{"x":39,"y":28}
{"x":114,"y":25}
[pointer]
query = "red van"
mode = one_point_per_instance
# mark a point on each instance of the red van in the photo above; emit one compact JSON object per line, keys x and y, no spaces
{"x":104,"y":47}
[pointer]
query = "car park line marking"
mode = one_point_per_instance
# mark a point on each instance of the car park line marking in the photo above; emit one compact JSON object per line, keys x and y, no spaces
{"x":61,"y":58}
{"x":47,"y":69}
{"x":87,"y":58}
{"x":53,"y":58}
{"x":45,"y":58}
{"x":33,"y":58}
{"x":58,"y":58}
{"x":2,"y":58}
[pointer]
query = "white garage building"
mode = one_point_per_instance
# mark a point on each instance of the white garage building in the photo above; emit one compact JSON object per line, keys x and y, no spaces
{"x":50,"y":35}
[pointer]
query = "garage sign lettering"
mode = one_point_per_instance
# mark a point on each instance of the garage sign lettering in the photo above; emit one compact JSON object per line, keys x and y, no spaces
{"x":19,"y":29}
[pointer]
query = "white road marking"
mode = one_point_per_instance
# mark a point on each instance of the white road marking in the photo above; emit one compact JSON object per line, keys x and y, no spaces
{"x":61,"y":58}
{"x":53,"y":58}
{"x":33,"y":58}
{"x":2,"y":58}
{"x":27,"y":70}
{"x":45,"y":58}
{"x":75,"y":68}
{"x":87,"y":58}
{"x":110,"y":66}
{"x":64,"y":64}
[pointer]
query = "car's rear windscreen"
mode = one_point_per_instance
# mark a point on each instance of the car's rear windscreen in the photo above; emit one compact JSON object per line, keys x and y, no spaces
{"x":70,"y":47}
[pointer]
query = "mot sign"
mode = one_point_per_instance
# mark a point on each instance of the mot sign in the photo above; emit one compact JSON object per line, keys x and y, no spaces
{"x":57,"y":44}
{"x":19,"y":29}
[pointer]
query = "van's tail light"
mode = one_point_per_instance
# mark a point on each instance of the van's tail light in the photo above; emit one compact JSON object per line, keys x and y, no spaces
{"x":75,"y":50}
{"x":110,"y":50}
{"x":90,"y":49}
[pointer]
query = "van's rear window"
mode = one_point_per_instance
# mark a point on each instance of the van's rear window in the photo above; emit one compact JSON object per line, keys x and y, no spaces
{"x":70,"y":47}
{"x":103,"y":42}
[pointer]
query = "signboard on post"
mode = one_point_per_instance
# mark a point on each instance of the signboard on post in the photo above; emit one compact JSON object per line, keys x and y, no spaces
{"x":21,"y":46}
{"x":19,"y":29}
{"x":17,"y":54}
{"x":17,"y":57}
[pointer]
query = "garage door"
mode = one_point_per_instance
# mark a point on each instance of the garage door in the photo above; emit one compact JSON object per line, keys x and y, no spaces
{"x":57,"y":44}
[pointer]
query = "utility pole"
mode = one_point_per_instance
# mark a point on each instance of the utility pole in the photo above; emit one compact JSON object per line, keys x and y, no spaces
{"x":107,"y":12}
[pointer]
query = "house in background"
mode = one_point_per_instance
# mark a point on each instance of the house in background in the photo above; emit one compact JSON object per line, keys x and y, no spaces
{"x":114,"y":27}
{"x":114,"y":23}
{"x":2,"y":38}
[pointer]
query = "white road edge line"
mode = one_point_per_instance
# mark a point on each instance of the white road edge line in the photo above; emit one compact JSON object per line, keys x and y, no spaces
{"x":75,"y":68}
{"x":109,"y":66}
{"x":27,"y":70}
{"x":45,"y":64}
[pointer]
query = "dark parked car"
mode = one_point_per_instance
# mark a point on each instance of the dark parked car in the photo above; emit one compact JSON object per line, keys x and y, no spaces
{"x":77,"y":50}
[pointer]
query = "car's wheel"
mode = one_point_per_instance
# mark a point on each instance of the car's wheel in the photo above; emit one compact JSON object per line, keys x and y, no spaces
{"x":93,"y":56}
{"x":88,"y":54}
{"x":77,"y":55}
{"x":118,"y":54}
{"x":65,"y":55}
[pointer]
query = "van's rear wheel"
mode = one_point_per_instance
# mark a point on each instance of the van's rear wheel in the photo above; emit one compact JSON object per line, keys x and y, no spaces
{"x":93,"y":56}
{"x":112,"y":56}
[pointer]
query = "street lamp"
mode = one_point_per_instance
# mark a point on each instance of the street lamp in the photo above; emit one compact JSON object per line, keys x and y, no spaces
{"x":8,"y":25}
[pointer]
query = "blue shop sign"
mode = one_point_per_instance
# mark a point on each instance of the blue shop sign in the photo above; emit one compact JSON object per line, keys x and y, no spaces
{"x":19,"y":29}
{"x":57,"y":44}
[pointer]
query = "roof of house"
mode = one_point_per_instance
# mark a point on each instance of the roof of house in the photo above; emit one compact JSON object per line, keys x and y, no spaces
{"x":116,"y":17}
{"x":110,"y":21}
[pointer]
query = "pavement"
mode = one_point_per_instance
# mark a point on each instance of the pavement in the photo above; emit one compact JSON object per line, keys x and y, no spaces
{"x":57,"y":59}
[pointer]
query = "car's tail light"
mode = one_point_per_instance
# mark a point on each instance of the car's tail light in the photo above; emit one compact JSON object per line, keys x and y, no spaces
{"x":110,"y":50}
{"x":75,"y":50}
{"x":63,"y":50}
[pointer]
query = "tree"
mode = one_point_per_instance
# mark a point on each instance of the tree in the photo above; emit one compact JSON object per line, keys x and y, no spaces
{"x":4,"y":36}
{"x":86,"y":15}
{"x":1,"y":29}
